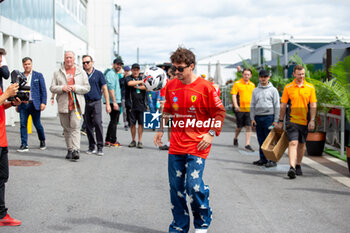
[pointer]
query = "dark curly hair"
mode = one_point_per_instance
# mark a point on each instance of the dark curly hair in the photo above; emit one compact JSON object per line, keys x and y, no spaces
{"x":183,"y":55}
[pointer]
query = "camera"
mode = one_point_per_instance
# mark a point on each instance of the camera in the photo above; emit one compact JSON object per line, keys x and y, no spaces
{"x":23,"y":90}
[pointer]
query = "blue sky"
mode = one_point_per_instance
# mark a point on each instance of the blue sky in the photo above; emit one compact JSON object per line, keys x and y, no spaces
{"x":208,"y":27}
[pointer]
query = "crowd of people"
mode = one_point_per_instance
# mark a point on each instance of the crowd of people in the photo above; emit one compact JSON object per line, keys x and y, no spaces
{"x":80,"y":91}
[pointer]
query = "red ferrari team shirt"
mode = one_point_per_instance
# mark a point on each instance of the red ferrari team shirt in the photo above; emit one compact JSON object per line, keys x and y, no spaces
{"x":196,"y":108}
{"x":3,"y":138}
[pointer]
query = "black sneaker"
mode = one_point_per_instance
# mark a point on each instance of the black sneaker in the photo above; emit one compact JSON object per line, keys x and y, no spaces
{"x":139,"y":145}
{"x":164,"y":147}
{"x":23,"y":148}
{"x":271,"y":164}
{"x":132,"y":144}
{"x":42,"y":145}
{"x":260,"y":162}
{"x":91,"y":151}
{"x":75,"y":155}
{"x":69,"y":155}
{"x":298,"y":170}
{"x":235,"y":142}
{"x":291,"y":173}
{"x":249,"y":148}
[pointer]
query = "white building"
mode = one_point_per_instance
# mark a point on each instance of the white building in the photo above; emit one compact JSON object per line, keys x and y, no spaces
{"x":51,"y":27}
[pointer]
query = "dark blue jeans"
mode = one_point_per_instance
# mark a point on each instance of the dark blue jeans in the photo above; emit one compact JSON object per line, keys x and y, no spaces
{"x":4,"y":175}
{"x":185,"y":177}
{"x":262,"y":125}
{"x":25,"y":111}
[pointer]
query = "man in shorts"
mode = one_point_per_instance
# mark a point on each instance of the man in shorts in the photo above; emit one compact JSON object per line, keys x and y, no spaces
{"x":135,"y":102}
{"x":241,"y":92}
{"x":300,"y":94}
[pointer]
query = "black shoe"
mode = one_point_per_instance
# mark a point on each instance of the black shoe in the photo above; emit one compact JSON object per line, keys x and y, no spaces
{"x":291,"y":173}
{"x":165,"y":147}
{"x":271,"y":164}
{"x":42,"y":145}
{"x":249,"y":148}
{"x":75,"y":155}
{"x":69,"y":155}
{"x":298,"y":170}
{"x":23,"y":148}
{"x":139,"y":145}
{"x":235,"y":142}
{"x":259,"y":162}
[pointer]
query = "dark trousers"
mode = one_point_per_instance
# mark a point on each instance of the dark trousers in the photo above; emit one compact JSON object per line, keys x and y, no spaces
{"x":93,"y":122}
{"x":111,"y":135}
{"x":25,"y":111}
{"x":262,"y":125}
{"x":4,"y":175}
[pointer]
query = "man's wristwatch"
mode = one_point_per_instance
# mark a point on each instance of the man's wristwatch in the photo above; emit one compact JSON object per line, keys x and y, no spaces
{"x":212,"y":132}
{"x":281,"y":120}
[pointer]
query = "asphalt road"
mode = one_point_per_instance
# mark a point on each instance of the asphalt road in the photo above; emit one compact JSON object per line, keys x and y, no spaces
{"x":126,"y":190}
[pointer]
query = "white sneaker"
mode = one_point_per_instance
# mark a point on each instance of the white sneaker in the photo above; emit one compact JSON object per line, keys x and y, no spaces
{"x":201,"y":231}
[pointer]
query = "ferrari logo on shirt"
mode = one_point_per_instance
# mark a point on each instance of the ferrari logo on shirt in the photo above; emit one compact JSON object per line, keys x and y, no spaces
{"x":193,"y":98}
{"x":175,"y":106}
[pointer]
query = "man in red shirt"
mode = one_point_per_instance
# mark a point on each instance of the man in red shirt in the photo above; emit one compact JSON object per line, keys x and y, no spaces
{"x":198,"y":116}
{"x":5,"y":219}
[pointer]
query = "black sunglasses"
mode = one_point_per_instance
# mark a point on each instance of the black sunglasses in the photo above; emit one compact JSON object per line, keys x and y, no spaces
{"x":86,"y":62}
{"x":180,"y":68}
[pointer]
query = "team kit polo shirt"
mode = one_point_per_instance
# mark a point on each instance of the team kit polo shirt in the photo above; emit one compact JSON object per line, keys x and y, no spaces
{"x":135,"y":98}
{"x":244,"y":91}
{"x":3,"y":138}
{"x":300,"y":97}
{"x":96,"y":80}
{"x":196,"y":108}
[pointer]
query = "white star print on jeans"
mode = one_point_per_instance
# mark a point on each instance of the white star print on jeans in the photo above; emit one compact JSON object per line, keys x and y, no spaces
{"x":185,"y":177}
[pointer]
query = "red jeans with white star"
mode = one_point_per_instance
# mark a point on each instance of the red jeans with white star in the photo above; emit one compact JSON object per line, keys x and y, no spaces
{"x":185,"y":177}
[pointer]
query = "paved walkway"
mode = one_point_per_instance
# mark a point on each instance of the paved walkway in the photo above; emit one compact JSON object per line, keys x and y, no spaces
{"x":126,"y":190}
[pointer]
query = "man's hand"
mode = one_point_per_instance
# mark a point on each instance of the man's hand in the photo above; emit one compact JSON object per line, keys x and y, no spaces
{"x":108,"y":108}
{"x":16,"y":101}
{"x":253,"y":123}
{"x":236,"y":109}
{"x":115,"y":106}
{"x":206,"y":141}
{"x":311,"y":125}
{"x":72,"y":87}
{"x":66,"y":89}
{"x":12,"y":90}
{"x":42,"y":107}
{"x":158,"y":139}
{"x":279,"y":126}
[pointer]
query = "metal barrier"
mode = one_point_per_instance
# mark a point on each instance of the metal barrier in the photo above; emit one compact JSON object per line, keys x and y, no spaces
{"x":226,"y":96}
{"x":331,"y":123}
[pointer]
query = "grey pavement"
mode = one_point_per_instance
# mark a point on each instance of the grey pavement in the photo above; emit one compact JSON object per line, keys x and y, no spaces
{"x":126,"y":190}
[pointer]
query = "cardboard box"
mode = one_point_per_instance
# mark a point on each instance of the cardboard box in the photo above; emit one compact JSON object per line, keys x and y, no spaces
{"x":275,"y":145}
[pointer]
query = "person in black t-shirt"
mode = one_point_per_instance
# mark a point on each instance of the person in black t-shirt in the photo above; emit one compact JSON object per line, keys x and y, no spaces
{"x":135,"y":102}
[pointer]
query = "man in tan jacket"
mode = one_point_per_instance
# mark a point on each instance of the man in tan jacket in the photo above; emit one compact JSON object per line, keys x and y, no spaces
{"x":70,"y":83}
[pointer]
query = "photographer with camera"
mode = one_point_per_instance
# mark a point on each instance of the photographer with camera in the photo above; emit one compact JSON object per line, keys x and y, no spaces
{"x":36,"y":103}
{"x":5,"y":219}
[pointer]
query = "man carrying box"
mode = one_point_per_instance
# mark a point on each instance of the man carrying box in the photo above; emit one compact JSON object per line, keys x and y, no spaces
{"x":300,"y":94}
{"x":264,"y":112}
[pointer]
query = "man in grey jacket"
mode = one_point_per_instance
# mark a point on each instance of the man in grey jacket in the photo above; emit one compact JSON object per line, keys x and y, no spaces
{"x":264,"y":112}
{"x":70,"y":83}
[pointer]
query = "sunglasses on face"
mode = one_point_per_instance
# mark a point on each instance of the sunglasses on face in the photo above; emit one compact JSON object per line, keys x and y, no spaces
{"x":180,"y":68}
{"x":86,"y":62}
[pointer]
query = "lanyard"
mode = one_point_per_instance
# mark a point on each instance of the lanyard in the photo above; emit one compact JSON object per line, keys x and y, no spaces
{"x":92,"y":73}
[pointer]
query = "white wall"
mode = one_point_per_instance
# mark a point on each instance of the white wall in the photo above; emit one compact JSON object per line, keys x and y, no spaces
{"x":100,"y":27}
